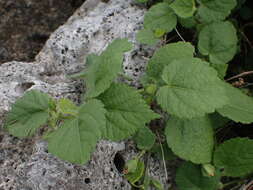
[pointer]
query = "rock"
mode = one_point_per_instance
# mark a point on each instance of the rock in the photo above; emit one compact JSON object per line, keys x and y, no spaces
{"x":26,"y":164}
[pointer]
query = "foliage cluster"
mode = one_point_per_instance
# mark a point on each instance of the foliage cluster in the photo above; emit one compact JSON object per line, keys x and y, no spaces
{"x":185,"y":82}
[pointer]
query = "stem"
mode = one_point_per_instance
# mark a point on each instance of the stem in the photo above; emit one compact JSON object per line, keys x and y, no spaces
{"x":240,"y":75}
{"x":181,"y":37}
{"x":164,"y":163}
{"x":238,"y":181}
{"x":141,"y":154}
{"x":246,"y":39}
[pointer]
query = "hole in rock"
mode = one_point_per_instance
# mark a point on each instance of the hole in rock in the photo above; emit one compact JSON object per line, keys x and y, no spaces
{"x":21,"y":88}
{"x":119,"y":162}
{"x":87,"y":180}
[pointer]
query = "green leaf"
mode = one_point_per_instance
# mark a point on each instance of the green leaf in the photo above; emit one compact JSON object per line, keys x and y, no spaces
{"x":126,"y":113}
{"x":167,"y":152}
{"x":235,"y":156}
{"x":218,"y":41}
{"x":159,"y":33}
{"x":131,"y":165}
{"x":191,"y":139}
{"x":239,"y":107}
{"x":110,"y":61}
{"x":192,"y":89}
{"x":66,"y":106}
{"x":215,"y":10}
{"x":28,"y":114}
{"x":90,"y":60}
{"x":144,"y":138}
{"x":217,"y":120}
{"x":189,"y":177}
{"x":74,"y":140}
{"x":188,"y":22}
{"x":142,"y":1}
{"x":221,"y":69}
{"x":184,"y":8}
{"x":161,"y":17}
{"x":165,"y":55}
{"x":137,"y":174}
{"x":147,"y":37}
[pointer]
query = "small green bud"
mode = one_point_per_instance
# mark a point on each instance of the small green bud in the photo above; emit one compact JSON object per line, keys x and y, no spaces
{"x":151,"y":89}
{"x":209,"y":169}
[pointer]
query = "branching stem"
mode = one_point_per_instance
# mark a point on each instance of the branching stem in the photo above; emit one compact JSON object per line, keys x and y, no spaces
{"x":240,"y":75}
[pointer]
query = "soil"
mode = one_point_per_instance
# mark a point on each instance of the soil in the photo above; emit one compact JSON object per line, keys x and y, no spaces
{"x":25,"y":25}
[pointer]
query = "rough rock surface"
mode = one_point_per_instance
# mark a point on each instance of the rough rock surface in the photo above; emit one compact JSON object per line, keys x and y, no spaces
{"x":26,"y":164}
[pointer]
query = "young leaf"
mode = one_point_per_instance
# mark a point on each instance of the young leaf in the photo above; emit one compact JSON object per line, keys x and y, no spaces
{"x":110,"y":61}
{"x":189,"y":177}
{"x":218,"y":41}
{"x":235,"y":156}
{"x":239,"y":107}
{"x":192,"y":89}
{"x":137,"y":174}
{"x":161,"y":17}
{"x":66,"y":106}
{"x":165,"y":55}
{"x":145,"y":138}
{"x":184,"y":8}
{"x":131,"y":165}
{"x":28,"y":114}
{"x":147,"y":37}
{"x":215,"y":10}
{"x":191,"y":139}
{"x":76,"y":138}
{"x":126,"y":112}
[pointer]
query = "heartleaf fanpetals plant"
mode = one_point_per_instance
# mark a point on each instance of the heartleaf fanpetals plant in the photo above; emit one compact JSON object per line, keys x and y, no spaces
{"x":182,"y":106}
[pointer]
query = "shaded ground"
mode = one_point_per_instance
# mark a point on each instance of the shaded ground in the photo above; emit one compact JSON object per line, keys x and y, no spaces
{"x":25,"y":25}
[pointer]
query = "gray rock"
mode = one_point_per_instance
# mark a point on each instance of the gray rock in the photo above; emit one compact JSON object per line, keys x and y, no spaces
{"x":25,"y":164}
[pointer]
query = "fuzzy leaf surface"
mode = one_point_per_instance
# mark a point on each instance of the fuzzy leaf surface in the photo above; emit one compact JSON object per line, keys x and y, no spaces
{"x":192,"y":89}
{"x":184,"y":8}
{"x":110,"y":61}
{"x":218,"y":41}
{"x":215,"y":10}
{"x":28,"y":114}
{"x":145,"y":138}
{"x":147,"y":37}
{"x":190,"y":177}
{"x":239,"y":107}
{"x":191,"y":139}
{"x":126,"y":112}
{"x":160,"y":17}
{"x":235,"y":156}
{"x":76,"y":138}
{"x":165,"y":55}
{"x":188,"y":22}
